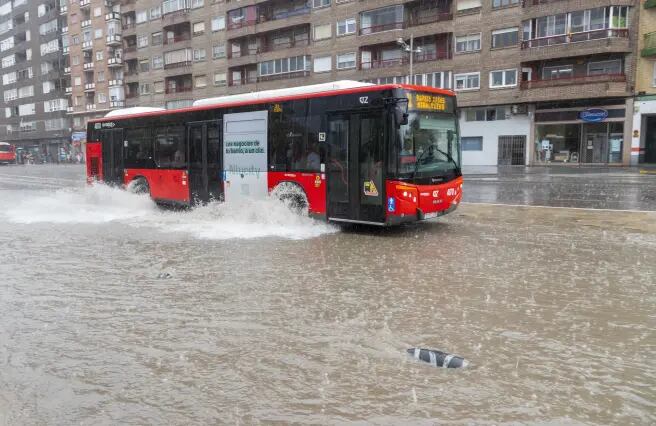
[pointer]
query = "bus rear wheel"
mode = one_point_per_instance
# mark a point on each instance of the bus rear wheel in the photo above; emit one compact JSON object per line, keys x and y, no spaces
{"x":292,"y":196}
{"x":139,"y":186}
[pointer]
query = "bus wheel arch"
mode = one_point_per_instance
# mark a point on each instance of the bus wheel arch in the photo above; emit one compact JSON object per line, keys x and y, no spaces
{"x":292,"y":195}
{"x":139,"y":185}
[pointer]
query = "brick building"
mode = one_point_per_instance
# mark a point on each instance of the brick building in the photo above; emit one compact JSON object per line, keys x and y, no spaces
{"x":643,"y":147}
{"x":539,"y":81}
{"x":33,"y":103}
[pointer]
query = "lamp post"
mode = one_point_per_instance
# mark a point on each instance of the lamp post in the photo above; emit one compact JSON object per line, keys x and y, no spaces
{"x":410,"y":48}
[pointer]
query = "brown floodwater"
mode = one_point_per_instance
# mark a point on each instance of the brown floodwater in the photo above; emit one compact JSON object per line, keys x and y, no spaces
{"x":114,"y":312}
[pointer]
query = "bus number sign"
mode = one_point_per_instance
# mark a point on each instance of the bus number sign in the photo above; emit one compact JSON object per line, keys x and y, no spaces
{"x":425,"y":102}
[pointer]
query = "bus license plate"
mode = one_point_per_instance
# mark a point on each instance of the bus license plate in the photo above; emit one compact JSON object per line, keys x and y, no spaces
{"x":430,"y":215}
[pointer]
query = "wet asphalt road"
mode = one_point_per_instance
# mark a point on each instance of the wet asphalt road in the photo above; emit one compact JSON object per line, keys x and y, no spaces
{"x":113,"y":311}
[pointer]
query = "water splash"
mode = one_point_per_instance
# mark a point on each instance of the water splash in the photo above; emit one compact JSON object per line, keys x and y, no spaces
{"x":243,"y":218}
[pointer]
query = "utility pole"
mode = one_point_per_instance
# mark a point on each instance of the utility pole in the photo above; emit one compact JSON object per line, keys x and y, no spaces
{"x":411,"y":50}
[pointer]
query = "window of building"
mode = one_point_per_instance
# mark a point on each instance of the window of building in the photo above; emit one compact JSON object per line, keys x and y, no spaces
{"x":468,"y":5}
{"x":157,"y":38}
{"x":347,"y":26}
{"x":467,"y":81}
{"x":468,"y":43}
{"x":142,"y":40}
{"x":441,"y":80}
{"x":144,"y":89}
{"x":320,"y":3}
{"x":144,"y":65}
{"x":218,"y":23}
{"x":346,"y":61}
{"x":155,"y":13}
{"x":102,"y":98}
{"x":505,"y":37}
{"x":471,"y":143}
{"x":322,"y":32}
{"x":97,"y":11}
{"x":197,"y":3}
{"x":557,"y":71}
{"x":10,"y":94}
{"x":605,"y":67}
{"x":158,"y":87}
{"x":26,"y":109}
{"x":98,"y":33}
{"x":199,"y":28}
{"x":77,"y":81}
{"x":26,"y":91}
{"x":486,"y":114}
{"x":503,"y":3}
{"x":220,"y":79}
{"x":384,"y":19}
{"x":100,"y":76}
{"x":283,"y":66}
{"x":142,"y":16}
{"x":200,"y":81}
{"x":323,"y":64}
{"x":503,"y":78}
{"x":158,"y":62}
{"x":48,"y":86}
{"x":218,"y":51}
{"x":199,"y":55}
{"x":99,"y":55}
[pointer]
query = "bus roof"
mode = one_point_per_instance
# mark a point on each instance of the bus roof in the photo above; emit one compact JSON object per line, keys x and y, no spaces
{"x":5,"y":143}
{"x":268,"y":96}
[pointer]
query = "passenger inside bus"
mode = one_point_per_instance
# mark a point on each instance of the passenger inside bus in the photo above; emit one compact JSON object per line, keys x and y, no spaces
{"x":179,"y":157}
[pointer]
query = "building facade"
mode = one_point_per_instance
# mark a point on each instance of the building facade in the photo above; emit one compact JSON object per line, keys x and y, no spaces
{"x":538,"y":81}
{"x":643,"y":147}
{"x":33,"y":82}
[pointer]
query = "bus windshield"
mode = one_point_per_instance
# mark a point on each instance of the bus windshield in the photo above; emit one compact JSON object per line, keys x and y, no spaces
{"x":429,"y":145}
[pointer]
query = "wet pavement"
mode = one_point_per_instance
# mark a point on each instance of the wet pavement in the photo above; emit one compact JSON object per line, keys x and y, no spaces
{"x":113,"y":311}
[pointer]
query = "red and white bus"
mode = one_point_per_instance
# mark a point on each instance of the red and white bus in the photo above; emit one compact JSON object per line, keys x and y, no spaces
{"x":7,"y":153}
{"x":345,"y":151}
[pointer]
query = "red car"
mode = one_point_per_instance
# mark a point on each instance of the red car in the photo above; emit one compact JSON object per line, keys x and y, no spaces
{"x":7,"y":153}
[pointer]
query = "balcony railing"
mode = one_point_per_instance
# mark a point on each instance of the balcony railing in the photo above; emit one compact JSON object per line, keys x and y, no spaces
{"x":243,"y":81}
{"x":88,"y":66}
{"x":129,"y":25}
{"x":116,"y":104}
{"x":112,"y":62}
{"x":85,"y":3}
{"x":240,"y":23}
{"x":67,"y":70}
{"x":70,"y":109}
{"x":384,"y":63}
{"x":63,"y":9}
{"x":285,"y":76}
{"x":177,"y":39}
{"x":650,"y":45}
{"x":86,"y":23}
{"x":270,"y":16}
{"x":113,"y":83}
{"x":91,"y":107}
{"x":64,"y":29}
{"x":526,"y":3}
{"x":576,"y":37}
{"x":113,"y":16}
{"x":429,"y":18}
{"x":186,"y":89}
{"x":177,"y":65}
{"x":87,"y":45}
{"x":130,"y":49}
{"x":432,"y":56}
{"x":380,"y":28}
{"x":113,"y":40}
{"x":90,"y":87}
{"x":566,"y":81}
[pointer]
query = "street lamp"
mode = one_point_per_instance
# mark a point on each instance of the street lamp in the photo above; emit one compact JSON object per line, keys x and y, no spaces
{"x":411,"y":50}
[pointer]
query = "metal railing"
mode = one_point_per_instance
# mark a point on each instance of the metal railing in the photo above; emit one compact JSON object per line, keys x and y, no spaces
{"x":418,"y":18}
{"x":576,"y":37}
{"x":565,"y":81}
{"x":380,"y":28}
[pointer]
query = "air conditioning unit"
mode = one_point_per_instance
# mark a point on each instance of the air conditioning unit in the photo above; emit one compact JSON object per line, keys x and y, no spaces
{"x":519,"y":109}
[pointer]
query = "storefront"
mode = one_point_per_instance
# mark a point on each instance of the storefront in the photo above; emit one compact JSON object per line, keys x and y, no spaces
{"x":580,"y":135}
{"x":643,"y":147}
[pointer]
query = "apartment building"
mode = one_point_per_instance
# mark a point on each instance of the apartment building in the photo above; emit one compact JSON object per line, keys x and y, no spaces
{"x":538,"y":81}
{"x":643,"y":147}
{"x":33,"y":82}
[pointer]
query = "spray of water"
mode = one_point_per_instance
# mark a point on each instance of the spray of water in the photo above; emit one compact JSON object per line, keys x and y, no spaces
{"x":98,"y":204}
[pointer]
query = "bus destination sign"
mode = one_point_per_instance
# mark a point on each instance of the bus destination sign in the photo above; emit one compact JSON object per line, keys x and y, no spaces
{"x":429,"y":102}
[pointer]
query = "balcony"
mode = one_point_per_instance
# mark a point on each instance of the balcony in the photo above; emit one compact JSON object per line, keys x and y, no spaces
{"x":87,"y":45}
{"x":384,"y":27}
{"x":90,"y":87}
{"x":88,"y":66}
{"x":422,"y":13}
{"x":69,"y":90}
{"x":573,"y":80}
{"x":114,"y":62}
{"x":91,"y":107}
{"x":70,"y":109}
{"x":649,"y":48}
{"x":177,"y":39}
{"x":113,"y":16}
{"x":180,"y":64}
{"x":85,"y":3}
{"x":575,"y":37}
{"x":114,"y":40}
{"x":117,"y":104}
{"x":63,"y":9}
{"x":115,"y":83}
{"x":64,"y":30}
{"x":527,"y":3}
{"x":86,"y":23}
{"x":285,"y":76}
{"x":170,"y":90}
{"x":66,"y":50}
{"x":67,"y":70}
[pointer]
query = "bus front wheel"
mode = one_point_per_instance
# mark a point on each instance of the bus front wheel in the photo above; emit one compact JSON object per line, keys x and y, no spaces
{"x":292,"y":196}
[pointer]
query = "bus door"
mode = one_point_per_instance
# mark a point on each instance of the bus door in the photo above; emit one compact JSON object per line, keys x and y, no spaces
{"x":355,"y":167}
{"x":112,"y":156}
{"x":205,"y":161}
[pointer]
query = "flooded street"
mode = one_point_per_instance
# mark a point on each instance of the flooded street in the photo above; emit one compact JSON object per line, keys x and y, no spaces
{"x":113,"y":311}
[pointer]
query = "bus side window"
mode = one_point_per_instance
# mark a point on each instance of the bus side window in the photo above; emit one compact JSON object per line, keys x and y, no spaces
{"x":170,"y":147}
{"x":139,"y":150}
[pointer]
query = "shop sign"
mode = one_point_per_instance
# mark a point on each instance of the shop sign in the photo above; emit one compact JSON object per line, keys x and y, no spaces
{"x":593,"y":115}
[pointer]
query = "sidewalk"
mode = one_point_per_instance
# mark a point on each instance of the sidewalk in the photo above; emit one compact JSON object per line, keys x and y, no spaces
{"x":557,"y":170}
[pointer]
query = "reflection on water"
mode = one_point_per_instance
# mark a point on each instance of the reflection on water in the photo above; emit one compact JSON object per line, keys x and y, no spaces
{"x":139,"y":316}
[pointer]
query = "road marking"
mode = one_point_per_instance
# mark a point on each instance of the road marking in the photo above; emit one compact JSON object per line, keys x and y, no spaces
{"x":560,"y":207}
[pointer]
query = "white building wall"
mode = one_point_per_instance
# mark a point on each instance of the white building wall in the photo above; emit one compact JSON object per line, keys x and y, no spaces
{"x":490,"y":131}
{"x":641,"y":109}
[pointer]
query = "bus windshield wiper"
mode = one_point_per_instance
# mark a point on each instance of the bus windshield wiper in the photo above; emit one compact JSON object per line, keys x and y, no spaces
{"x":448,"y":157}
